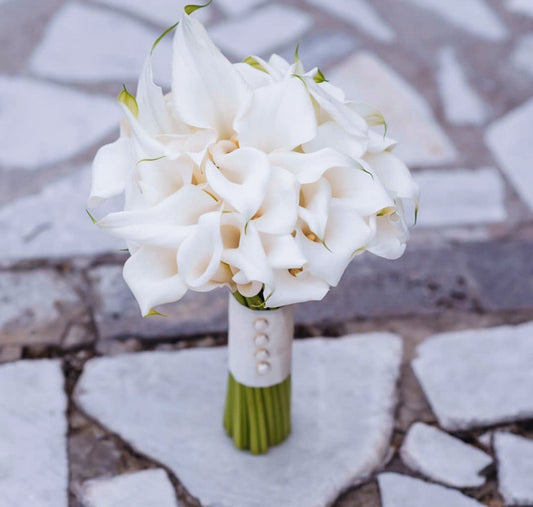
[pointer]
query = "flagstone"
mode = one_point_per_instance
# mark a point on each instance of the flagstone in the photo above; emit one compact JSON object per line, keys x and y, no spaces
{"x":54,"y":223}
{"x":409,"y":118}
{"x":521,"y":6}
{"x":509,"y":139}
{"x":461,"y":196}
{"x":148,"y":488}
{"x":59,"y":124}
{"x":522,"y":55}
{"x":474,"y":16}
{"x":404,"y":491}
{"x":161,"y":12}
{"x":462,"y":105}
{"x":478,"y":377}
{"x":168,"y":405}
{"x":515,"y":468}
{"x":255,"y":34}
{"x":236,"y":7}
{"x":33,"y":461}
{"x":360,"y":14}
{"x":116,"y":54}
{"x":442,"y":457}
{"x":37,"y":307}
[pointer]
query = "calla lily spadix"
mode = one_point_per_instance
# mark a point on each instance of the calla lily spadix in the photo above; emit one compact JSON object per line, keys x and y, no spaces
{"x":257,"y":176}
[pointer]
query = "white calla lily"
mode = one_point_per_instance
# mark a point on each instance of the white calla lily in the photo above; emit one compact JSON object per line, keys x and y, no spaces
{"x":166,"y":224}
{"x":110,"y":170}
{"x":279,"y":116}
{"x":345,"y":234}
{"x":152,"y":276}
{"x":207,"y":90}
{"x":315,"y":200}
{"x":390,"y":236}
{"x":239,"y":176}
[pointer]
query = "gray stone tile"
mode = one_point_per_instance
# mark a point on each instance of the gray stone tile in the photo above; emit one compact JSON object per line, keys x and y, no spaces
{"x":321,"y":48}
{"x":148,"y":488}
{"x":161,"y":12}
{"x":509,"y":139}
{"x":474,"y":16}
{"x":237,"y":7}
{"x":54,"y":223}
{"x":515,"y":468}
{"x":460,"y":197}
{"x":478,"y":377}
{"x":37,"y":307}
{"x":462,"y":104}
{"x":116,"y":54}
{"x":404,"y":491}
{"x":117,"y":313}
{"x":360,"y":14}
{"x":169,"y":406}
{"x":409,"y":118}
{"x":33,"y":461}
{"x":522,"y":55}
{"x":503,"y":272}
{"x":443,"y":458}
{"x":255,"y":34}
{"x":59,"y":124}
{"x":520,"y":7}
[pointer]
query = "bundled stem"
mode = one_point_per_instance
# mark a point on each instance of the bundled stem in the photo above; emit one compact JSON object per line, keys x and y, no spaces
{"x":257,"y":418}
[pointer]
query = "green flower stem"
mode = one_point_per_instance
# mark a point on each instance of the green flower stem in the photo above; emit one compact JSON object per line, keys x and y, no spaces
{"x":257,"y":418}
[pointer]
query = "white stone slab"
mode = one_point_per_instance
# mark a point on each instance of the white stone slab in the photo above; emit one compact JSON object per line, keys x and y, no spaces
{"x":261,"y":31}
{"x":169,"y":406}
{"x":521,"y":6}
{"x":404,"y":491}
{"x":236,"y":7}
{"x":461,"y":196}
{"x":443,"y":458}
{"x":474,"y":16}
{"x":478,"y":377}
{"x":161,"y":12}
{"x":149,"y":488}
{"x":485,"y":439}
{"x":509,"y":139}
{"x":515,"y":468}
{"x":361,"y":14}
{"x":109,"y":47}
{"x":522,"y":55}
{"x":41,"y":123}
{"x":33,"y":428}
{"x":410,"y":119}
{"x":54,"y":223}
{"x":462,"y":105}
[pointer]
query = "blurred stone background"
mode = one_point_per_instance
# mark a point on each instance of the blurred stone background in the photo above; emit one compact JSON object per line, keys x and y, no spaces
{"x":454,"y":80}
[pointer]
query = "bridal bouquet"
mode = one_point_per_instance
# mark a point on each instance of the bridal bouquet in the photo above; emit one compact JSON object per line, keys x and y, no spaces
{"x":256,"y":176}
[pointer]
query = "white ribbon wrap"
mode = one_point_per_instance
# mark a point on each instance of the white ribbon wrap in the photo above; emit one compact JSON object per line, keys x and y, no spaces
{"x":259,"y":344}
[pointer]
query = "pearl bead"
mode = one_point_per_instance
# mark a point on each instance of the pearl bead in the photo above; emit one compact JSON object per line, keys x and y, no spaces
{"x":262,"y":354}
{"x":260,"y":324}
{"x":262,"y":368}
{"x":261,"y":339}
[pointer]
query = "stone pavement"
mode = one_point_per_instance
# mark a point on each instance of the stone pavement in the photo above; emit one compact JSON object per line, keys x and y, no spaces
{"x":434,"y":367}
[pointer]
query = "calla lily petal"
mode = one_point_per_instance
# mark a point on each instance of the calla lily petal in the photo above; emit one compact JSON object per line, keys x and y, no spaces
{"x":309,"y":167}
{"x":206,"y":89}
{"x":346,"y":233}
{"x":283,"y":252}
{"x":152,"y":276}
{"x":200,"y":254}
{"x":390,"y":237}
{"x":394,"y":175}
{"x":240,"y":177}
{"x":332,"y":135}
{"x":314,"y":206}
{"x":278,"y":117}
{"x":166,"y":224}
{"x":110,"y":169}
{"x":361,"y":190}
{"x":253,"y":77}
{"x":279,"y":210}
{"x":290,"y":289}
